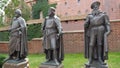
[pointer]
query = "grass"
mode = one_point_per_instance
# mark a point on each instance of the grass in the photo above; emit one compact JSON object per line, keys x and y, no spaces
{"x":73,"y":60}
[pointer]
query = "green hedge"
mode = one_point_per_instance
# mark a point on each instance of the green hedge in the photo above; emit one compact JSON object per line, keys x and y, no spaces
{"x":4,"y":36}
{"x":2,"y":60}
{"x":33,"y":31}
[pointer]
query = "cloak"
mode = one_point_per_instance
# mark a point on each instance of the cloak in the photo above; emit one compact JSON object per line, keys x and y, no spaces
{"x":60,"y":48}
{"x":104,"y":44}
{"x":19,"y":42}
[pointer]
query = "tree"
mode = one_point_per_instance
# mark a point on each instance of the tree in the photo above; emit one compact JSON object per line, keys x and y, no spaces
{"x":41,"y":6}
{"x":10,"y":9}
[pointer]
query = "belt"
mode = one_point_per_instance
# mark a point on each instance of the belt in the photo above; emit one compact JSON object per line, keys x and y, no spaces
{"x":50,"y":27}
{"x":95,"y":26}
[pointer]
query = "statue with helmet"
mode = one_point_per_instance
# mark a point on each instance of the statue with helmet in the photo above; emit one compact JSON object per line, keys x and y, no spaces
{"x":52,"y":39}
{"x":18,"y":49}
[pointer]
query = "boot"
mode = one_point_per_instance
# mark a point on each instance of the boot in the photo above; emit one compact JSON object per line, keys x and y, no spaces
{"x":17,"y":56}
{"x":48,"y":55}
{"x":90,"y":55}
{"x":99,"y":55}
{"x":55,"y":57}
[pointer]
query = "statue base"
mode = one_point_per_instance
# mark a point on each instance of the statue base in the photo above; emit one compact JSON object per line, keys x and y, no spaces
{"x":96,"y":64}
{"x":51,"y":66}
{"x":16,"y":64}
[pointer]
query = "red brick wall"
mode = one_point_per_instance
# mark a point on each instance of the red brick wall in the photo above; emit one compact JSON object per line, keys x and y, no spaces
{"x":73,"y":7}
{"x":3,"y":47}
{"x":73,"y":41}
{"x":73,"y":25}
{"x":35,"y":46}
{"x":114,"y":37}
{"x":112,"y":7}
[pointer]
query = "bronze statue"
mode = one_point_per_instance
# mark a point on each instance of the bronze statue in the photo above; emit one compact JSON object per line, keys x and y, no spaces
{"x":97,"y":28}
{"x":52,"y":39}
{"x":18,"y":38}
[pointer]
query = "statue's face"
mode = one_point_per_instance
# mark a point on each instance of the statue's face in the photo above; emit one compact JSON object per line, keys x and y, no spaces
{"x":17,"y":14}
{"x":51,"y":12}
{"x":96,"y":7}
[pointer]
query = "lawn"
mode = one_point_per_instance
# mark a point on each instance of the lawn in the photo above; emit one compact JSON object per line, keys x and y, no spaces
{"x":74,"y":60}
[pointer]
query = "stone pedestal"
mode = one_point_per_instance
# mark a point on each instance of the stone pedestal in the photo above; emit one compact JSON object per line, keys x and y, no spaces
{"x":96,"y":64}
{"x":13,"y":64}
{"x":51,"y":66}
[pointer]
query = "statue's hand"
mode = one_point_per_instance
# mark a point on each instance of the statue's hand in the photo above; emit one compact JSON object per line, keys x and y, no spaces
{"x":18,"y":29}
{"x":58,"y":36}
{"x":107,"y":33}
{"x":86,"y":25}
{"x":20,"y":32}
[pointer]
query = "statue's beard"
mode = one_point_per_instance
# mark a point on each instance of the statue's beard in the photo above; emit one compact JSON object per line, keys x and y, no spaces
{"x":17,"y":15}
{"x":95,"y":12}
{"x":52,"y":15}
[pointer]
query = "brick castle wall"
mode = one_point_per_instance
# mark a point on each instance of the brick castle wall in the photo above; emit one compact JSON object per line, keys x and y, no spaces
{"x":82,"y":7}
{"x":73,"y":41}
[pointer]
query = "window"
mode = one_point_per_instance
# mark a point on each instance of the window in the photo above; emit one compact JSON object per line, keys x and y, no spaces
{"x":112,"y":9}
{"x":119,"y":6}
{"x":76,"y":21}
{"x":79,"y":12}
{"x":66,"y":22}
{"x":66,"y":13}
{"x":65,"y":3}
{"x":78,"y":1}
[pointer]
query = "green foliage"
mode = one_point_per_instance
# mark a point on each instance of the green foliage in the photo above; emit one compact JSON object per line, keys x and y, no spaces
{"x":34,"y":31}
{"x":41,"y":6}
{"x":26,"y":12}
{"x":1,"y":20}
{"x":10,"y":9}
{"x":1,"y":60}
{"x":4,"y":36}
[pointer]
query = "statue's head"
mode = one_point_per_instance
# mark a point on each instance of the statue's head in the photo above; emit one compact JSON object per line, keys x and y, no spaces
{"x":95,"y":5}
{"x":18,"y":12}
{"x":51,"y":11}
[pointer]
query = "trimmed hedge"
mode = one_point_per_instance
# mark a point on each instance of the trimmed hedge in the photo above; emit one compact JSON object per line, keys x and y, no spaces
{"x":33,"y":31}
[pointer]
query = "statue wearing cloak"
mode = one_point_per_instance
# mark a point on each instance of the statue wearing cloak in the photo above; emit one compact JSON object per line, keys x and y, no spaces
{"x":97,"y":28}
{"x":18,"y":38}
{"x":52,"y":39}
